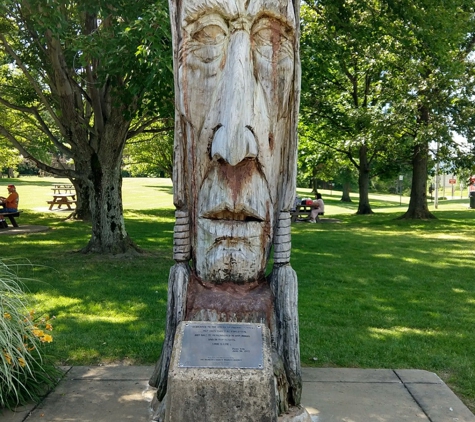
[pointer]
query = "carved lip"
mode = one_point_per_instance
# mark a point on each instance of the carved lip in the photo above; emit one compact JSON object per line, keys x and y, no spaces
{"x":242,"y":214}
{"x":233,"y":194}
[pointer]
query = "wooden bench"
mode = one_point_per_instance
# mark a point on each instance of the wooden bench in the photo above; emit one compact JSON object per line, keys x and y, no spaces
{"x":63,"y":189}
{"x":63,"y":201}
{"x":11,"y":216}
{"x":302,"y":211}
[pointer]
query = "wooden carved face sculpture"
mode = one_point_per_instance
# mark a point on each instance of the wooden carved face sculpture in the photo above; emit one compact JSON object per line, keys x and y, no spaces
{"x":235,"y":65}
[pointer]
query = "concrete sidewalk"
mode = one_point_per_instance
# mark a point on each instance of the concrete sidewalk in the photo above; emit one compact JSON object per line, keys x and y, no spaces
{"x":121,"y":393}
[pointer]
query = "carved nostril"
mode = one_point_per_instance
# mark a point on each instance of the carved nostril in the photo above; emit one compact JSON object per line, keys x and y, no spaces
{"x":252,"y":149}
{"x":217,"y":149}
{"x":211,"y":141}
{"x":271,"y":141}
{"x":234,"y":144}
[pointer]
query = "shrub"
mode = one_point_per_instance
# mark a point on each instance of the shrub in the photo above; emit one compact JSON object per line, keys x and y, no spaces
{"x":25,"y":374}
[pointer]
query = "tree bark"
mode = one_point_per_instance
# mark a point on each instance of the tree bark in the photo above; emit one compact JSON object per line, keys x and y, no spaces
{"x":345,"y":195}
{"x":103,"y":183}
{"x":83,"y":210}
{"x":363,"y":182}
{"x":418,"y":209}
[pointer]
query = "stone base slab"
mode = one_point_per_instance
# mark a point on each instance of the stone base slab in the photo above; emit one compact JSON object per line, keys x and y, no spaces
{"x":220,"y":394}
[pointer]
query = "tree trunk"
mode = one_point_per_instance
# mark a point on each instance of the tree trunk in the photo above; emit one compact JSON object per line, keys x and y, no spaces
{"x":418,"y":209}
{"x":314,"y":182}
{"x":345,"y":195}
{"x":83,"y":210}
{"x":82,"y":168}
{"x":363,"y":182}
{"x":104,"y":187}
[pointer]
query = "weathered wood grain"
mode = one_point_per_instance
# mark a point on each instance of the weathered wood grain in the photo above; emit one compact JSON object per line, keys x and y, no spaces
{"x":237,"y":86}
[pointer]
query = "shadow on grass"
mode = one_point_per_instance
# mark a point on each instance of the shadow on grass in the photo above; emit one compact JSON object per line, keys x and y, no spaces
{"x":373,"y":291}
{"x":106,"y":309}
{"x":389,"y":294}
{"x":23,"y":182}
{"x":166,"y":189}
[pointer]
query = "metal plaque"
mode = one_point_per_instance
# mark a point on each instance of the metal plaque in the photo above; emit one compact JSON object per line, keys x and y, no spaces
{"x":222,"y":345}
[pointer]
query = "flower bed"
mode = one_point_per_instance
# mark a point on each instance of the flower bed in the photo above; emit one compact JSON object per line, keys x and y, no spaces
{"x":25,"y":373}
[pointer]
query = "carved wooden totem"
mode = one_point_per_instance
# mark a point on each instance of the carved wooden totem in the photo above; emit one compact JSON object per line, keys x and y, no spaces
{"x":237,"y":84}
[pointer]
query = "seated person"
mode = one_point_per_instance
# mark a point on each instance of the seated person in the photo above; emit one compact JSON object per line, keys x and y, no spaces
{"x":318,"y":208}
{"x":297,"y":202}
{"x":10,"y":204}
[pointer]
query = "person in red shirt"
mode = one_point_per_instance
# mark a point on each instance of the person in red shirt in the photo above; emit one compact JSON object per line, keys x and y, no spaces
{"x":10,"y":203}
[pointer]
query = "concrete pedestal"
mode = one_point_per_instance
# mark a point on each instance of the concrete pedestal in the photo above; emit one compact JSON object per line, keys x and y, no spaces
{"x":220,"y":394}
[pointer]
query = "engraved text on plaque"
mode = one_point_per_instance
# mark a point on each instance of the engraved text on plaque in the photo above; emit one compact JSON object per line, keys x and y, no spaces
{"x":222,"y":345}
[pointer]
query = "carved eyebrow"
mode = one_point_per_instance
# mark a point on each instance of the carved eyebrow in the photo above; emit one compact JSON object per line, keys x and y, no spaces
{"x":273,"y":9}
{"x":232,"y":9}
{"x":192,"y":11}
{"x":262,"y":20}
{"x":205,"y":20}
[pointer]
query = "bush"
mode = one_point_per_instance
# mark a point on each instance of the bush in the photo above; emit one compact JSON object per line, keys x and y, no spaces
{"x":25,"y":374}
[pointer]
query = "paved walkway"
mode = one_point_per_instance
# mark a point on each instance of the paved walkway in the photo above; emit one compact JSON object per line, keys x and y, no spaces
{"x":121,"y":393}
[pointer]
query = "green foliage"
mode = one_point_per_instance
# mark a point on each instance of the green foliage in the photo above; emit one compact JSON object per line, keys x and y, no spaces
{"x":150,"y":154}
{"x":25,"y":374}
{"x":381,"y":78}
{"x":105,"y":55}
{"x":9,"y":157}
{"x":344,"y":111}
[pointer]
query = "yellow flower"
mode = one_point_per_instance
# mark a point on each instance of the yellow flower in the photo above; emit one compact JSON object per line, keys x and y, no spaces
{"x":22,"y":362}
{"x":46,"y":338}
{"x":6,"y":315}
{"x":49,"y":327}
{"x":8,"y":357}
{"x":38,"y":333}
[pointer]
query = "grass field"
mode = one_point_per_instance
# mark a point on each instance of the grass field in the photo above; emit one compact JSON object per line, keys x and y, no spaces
{"x":374,"y":291}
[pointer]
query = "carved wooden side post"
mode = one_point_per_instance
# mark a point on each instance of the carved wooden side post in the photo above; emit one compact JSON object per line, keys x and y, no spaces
{"x":237,"y":85}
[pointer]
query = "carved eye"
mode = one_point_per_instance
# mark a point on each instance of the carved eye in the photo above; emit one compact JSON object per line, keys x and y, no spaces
{"x":210,"y":35}
{"x":207,"y":38}
{"x":273,"y":39}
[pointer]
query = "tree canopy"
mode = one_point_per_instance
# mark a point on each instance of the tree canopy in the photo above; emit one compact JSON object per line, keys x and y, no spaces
{"x":381,"y":79}
{"x":83,"y":77}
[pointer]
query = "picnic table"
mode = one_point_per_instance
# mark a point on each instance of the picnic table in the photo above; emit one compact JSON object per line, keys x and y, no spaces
{"x":60,"y":199}
{"x":301,"y":211}
{"x":11,"y":216}
{"x":62,"y":189}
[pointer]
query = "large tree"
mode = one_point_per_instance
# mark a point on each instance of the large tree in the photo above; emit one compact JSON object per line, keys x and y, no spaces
{"x":381,"y":78}
{"x":89,"y":75}
{"x":437,"y":37}
{"x":344,"y":99}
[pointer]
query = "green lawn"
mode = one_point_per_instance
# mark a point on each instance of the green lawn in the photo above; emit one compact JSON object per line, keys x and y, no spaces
{"x":375,"y":292}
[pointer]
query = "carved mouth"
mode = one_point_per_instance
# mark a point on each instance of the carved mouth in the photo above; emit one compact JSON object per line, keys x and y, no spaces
{"x":226,"y":215}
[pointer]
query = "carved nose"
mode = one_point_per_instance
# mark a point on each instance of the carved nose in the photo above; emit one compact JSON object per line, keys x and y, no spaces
{"x":234,"y":141}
